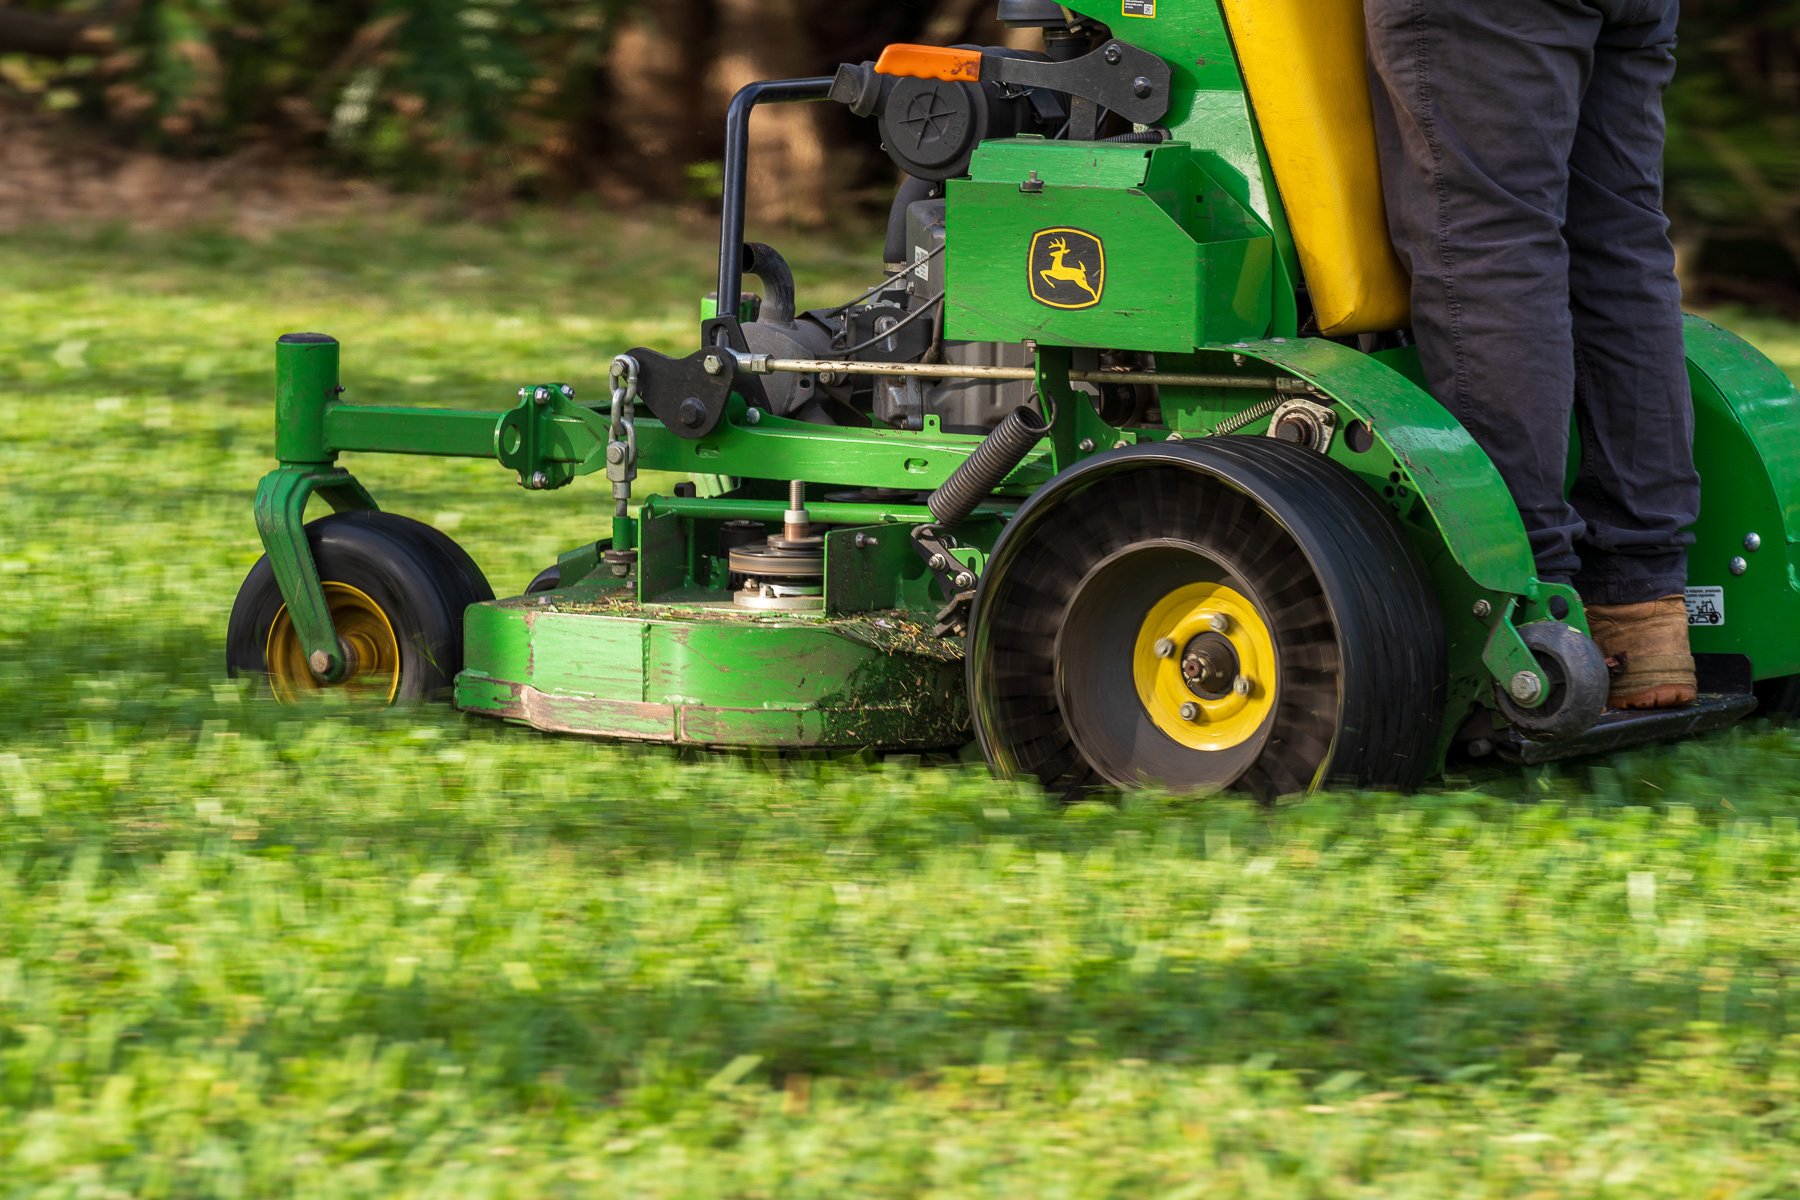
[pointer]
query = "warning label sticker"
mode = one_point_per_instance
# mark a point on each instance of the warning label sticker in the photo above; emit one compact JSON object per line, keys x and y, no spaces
{"x":1140,"y":8}
{"x":1706,"y":605}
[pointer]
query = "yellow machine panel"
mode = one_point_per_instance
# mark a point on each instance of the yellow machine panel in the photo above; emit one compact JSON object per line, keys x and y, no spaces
{"x":1305,"y":64}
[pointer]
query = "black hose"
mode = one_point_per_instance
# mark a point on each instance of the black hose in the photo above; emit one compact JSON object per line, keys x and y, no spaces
{"x":983,"y":471}
{"x":912,"y":190}
{"x":766,"y":263}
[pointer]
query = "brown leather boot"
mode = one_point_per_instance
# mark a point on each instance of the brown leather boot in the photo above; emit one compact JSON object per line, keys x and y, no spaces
{"x":1646,"y":648}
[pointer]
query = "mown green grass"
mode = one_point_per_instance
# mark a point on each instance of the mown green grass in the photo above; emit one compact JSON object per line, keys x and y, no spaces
{"x":251,"y":952}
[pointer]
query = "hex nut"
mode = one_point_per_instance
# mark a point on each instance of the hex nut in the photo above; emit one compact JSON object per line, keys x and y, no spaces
{"x":1218,"y":623}
{"x":714,"y":364}
{"x":540,"y":481}
{"x":1483,"y":609}
{"x":1242,"y":685}
{"x":1526,"y":687}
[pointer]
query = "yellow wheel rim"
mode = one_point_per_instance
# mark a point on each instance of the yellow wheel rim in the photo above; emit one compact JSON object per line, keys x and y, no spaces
{"x":1200,"y":619}
{"x":362,"y":627}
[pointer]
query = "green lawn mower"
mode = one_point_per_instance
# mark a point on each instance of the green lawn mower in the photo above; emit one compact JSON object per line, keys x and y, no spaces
{"x":1123,"y":469}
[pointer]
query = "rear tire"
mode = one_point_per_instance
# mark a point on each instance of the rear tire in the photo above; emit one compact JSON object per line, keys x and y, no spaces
{"x":1127,"y":599}
{"x":397,"y":589}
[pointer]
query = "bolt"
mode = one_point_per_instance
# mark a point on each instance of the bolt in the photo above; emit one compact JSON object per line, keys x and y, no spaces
{"x":1086,"y":445}
{"x":1114,"y":55}
{"x":320,"y":662}
{"x":965,"y":580}
{"x":1526,"y":687}
{"x":1242,"y":685}
{"x":752,"y":416}
{"x":1176,"y":437}
{"x":1480,"y":748}
{"x":1483,"y":609}
{"x":1120,"y":444}
{"x":524,"y":392}
{"x":1739,"y":566}
{"x":541,"y":395}
{"x":1142,"y":87}
{"x":1238,"y":360}
{"x":1165,"y":647}
{"x":1753,"y":542}
{"x":615,"y":453}
{"x":568,"y":393}
{"x":620,"y":570}
{"x":539,"y":481}
{"x":714,"y":364}
{"x":1218,"y":622}
{"x":864,"y":540}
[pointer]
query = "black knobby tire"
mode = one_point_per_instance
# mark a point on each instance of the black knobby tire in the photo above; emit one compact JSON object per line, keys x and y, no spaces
{"x":420,"y":580}
{"x":1355,"y":627}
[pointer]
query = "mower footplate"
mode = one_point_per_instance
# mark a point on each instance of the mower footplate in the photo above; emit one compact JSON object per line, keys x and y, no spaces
{"x":1621,"y":730}
{"x":592,"y":662}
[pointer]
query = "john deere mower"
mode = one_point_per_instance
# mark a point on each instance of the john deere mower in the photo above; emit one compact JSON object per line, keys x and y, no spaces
{"x":1121,"y":467}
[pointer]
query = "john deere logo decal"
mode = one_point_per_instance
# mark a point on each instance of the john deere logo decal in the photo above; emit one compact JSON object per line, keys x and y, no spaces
{"x":1068,"y":268}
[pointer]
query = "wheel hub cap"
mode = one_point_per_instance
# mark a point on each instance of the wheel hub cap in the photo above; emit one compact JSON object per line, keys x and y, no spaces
{"x":1221,"y":688}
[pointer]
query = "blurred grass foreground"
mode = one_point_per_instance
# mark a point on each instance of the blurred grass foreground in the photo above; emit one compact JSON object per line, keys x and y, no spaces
{"x":254,"y":952}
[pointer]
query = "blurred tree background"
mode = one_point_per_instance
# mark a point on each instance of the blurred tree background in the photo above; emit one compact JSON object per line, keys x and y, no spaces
{"x":553,"y":98}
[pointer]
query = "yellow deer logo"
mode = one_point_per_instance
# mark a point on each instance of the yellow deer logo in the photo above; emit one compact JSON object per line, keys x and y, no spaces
{"x":1068,"y":268}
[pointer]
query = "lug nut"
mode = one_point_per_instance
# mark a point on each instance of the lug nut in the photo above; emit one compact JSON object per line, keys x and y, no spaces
{"x":1165,"y":647}
{"x":1242,"y":685}
{"x":1190,"y":711}
{"x":1218,"y":622}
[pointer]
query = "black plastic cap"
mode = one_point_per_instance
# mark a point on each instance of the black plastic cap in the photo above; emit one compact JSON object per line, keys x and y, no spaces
{"x":1038,"y":14}
{"x":306,"y":339}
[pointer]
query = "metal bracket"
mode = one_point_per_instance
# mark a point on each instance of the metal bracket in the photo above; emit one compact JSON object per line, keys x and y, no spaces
{"x":1510,"y":661}
{"x":281,"y":500}
{"x":542,"y":438}
{"x":956,"y":576}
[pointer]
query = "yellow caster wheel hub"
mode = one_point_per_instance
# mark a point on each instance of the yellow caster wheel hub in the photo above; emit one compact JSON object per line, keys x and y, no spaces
{"x":363,"y":629}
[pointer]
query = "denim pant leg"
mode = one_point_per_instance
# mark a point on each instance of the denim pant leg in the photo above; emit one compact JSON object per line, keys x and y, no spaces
{"x":1477,"y":106}
{"x":1637,"y":490}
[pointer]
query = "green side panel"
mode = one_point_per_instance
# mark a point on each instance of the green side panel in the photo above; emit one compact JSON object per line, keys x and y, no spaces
{"x":1747,"y":446}
{"x":711,"y":675}
{"x":1441,"y":465}
{"x":1170,"y":259}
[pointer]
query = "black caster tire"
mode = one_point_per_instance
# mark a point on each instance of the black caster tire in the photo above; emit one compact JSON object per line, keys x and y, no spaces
{"x":1576,"y":672}
{"x":1237,"y":613}
{"x":397,"y":590}
{"x":546,"y":580}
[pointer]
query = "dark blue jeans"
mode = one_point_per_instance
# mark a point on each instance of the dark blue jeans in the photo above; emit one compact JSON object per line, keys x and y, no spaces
{"x":1521,"y":145}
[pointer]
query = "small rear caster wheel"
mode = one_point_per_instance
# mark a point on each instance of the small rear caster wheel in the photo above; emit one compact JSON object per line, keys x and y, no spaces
{"x":397,"y":590}
{"x":1236,"y":614}
{"x":1575,"y":672}
{"x":546,"y":580}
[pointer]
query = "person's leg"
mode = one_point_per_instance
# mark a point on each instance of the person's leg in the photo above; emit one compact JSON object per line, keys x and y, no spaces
{"x":1477,"y":105}
{"x":1637,"y":489}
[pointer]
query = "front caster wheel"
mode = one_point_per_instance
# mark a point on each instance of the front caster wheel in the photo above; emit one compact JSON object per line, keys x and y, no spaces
{"x":396,"y":589}
{"x":1238,"y":613}
{"x":1575,"y":672}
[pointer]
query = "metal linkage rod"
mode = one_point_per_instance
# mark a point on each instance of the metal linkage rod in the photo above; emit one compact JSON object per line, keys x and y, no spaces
{"x":762,"y":364}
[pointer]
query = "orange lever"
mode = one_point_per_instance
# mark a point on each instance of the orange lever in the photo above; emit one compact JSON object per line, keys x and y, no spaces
{"x":931,"y":62}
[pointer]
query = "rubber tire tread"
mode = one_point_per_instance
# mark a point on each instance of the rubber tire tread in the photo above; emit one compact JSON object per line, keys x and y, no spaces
{"x":422,"y":589}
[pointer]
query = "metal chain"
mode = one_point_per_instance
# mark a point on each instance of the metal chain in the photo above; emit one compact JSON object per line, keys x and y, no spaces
{"x":621,"y":445}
